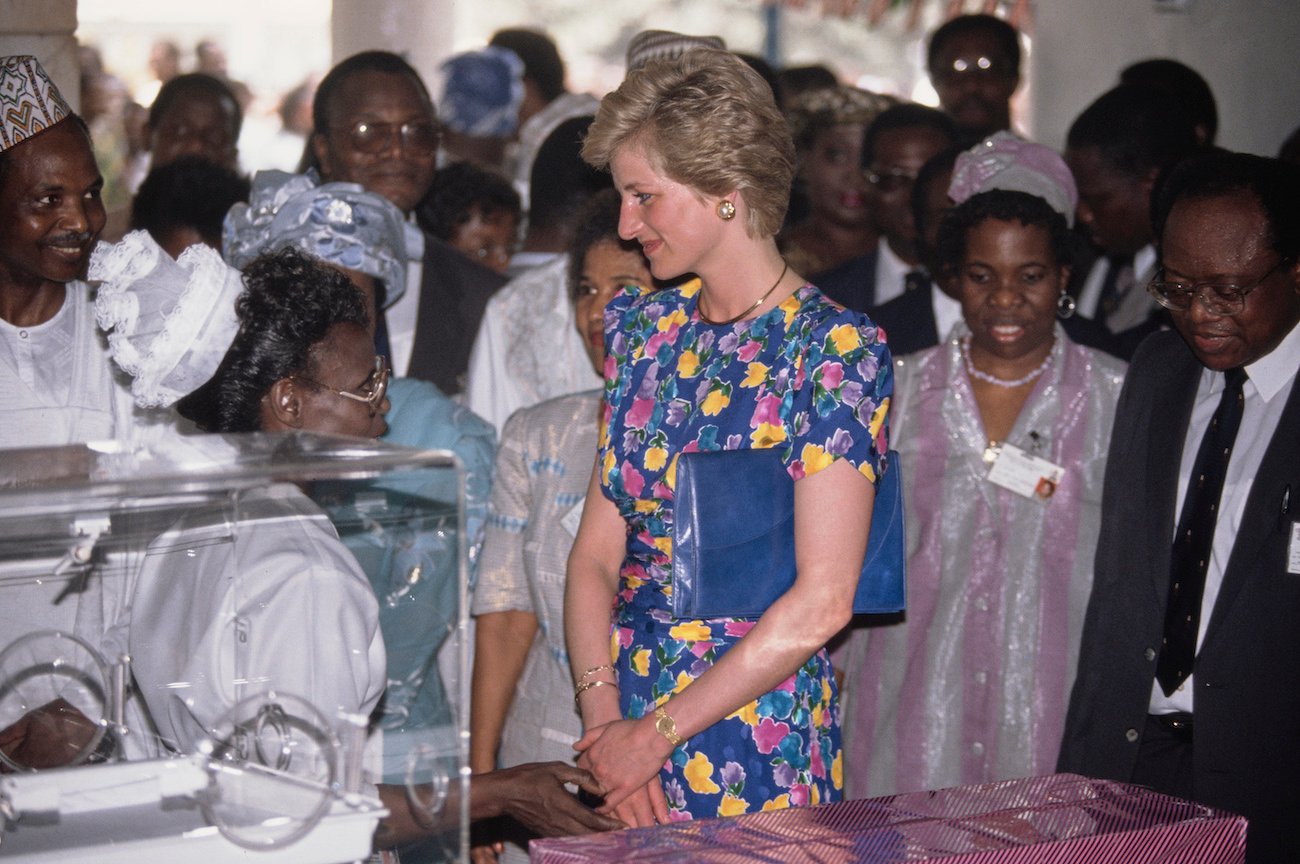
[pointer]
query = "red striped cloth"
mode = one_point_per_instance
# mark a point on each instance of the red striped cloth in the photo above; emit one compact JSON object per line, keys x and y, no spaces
{"x":1046,"y":820}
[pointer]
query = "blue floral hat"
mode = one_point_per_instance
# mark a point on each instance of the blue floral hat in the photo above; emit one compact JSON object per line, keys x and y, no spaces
{"x":339,"y":223}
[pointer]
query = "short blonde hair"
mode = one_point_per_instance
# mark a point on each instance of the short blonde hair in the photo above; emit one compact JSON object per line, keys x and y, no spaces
{"x":708,"y":121}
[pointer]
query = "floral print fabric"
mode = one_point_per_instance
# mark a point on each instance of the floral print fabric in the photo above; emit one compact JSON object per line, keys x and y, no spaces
{"x":809,"y":378}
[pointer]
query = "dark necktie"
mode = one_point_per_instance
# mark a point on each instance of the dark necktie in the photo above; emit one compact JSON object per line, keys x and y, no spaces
{"x":1118,"y":282}
{"x":916,"y":280}
{"x":1191,"y":550}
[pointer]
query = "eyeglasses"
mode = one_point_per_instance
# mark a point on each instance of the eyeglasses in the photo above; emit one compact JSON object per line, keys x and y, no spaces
{"x":373,"y":138}
{"x":494,"y":254}
{"x":963,"y":68}
{"x":372,"y":390}
{"x":1223,"y":300}
{"x":890,"y":181}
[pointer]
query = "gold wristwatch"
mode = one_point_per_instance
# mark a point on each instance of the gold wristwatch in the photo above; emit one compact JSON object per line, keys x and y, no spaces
{"x":666,"y":727}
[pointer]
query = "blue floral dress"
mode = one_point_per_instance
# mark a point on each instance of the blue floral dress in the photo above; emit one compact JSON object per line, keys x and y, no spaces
{"x":809,"y":378}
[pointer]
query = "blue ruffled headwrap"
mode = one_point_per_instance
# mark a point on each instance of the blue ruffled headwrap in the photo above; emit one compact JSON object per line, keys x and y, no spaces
{"x":340,"y":223}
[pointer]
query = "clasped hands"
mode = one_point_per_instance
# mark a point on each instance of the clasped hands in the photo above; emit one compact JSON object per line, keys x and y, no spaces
{"x":625,"y":757}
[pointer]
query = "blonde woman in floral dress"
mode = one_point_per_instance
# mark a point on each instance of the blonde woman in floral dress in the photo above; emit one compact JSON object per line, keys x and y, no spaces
{"x":688,"y":718}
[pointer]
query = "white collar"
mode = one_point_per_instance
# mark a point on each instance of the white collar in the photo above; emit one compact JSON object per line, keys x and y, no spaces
{"x":1276,"y":369}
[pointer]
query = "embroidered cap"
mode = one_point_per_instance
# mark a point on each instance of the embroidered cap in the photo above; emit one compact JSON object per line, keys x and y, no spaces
{"x":29,"y":101}
{"x":665,"y":45}
{"x":828,"y":106}
{"x":1005,"y":161}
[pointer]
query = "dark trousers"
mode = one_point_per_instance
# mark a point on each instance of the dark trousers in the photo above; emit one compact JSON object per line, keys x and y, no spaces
{"x":1164,"y":759}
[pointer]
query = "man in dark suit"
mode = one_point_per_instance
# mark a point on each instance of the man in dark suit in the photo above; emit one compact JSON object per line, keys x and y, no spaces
{"x":375,"y":125}
{"x":1117,"y":149}
{"x":1188,"y":680}
{"x":895,"y":146}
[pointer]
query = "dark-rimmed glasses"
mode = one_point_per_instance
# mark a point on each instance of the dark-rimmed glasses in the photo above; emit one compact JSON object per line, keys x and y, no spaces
{"x":372,"y":390}
{"x":889,"y":181}
{"x":1222,"y":299}
{"x":368,"y":137}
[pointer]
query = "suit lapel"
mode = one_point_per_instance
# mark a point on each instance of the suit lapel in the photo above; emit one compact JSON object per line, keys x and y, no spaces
{"x":1171,"y":411}
{"x":867,"y":299}
{"x":1276,"y":470}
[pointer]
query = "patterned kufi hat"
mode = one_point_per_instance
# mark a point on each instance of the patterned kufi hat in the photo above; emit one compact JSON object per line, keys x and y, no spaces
{"x":169,"y":322}
{"x":665,"y":45}
{"x":828,"y":106}
{"x":482,"y":92}
{"x":29,"y":101}
{"x":338,"y":223}
{"x":1006,"y":161}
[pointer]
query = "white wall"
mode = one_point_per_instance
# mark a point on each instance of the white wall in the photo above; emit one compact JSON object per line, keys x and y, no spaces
{"x":44,"y":29}
{"x":1246,"y":49}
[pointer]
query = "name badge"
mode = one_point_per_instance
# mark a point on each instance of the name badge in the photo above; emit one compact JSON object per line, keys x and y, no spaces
{"x":1293,"y":550}
{"x":573,"y":518}
{"x":1025,"y":474}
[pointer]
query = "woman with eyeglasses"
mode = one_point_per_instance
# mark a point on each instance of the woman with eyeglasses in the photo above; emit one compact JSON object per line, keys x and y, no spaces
{"x":303,"y":617}
{"x":827,"y":125}
{"x":1003,"y":432}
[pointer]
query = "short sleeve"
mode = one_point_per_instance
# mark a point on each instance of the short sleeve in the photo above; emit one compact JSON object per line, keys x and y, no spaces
{"x":502,"y":584}
{"x":842,"y":400}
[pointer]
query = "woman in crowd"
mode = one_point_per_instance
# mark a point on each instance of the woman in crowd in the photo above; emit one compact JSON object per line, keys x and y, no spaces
{"x":362,"y":235}
{"x":298,"y":356}
{"x":522,"y":708}
{"x":828,"y":125}
{"x":475,"y":211}
{"x":1002,"y":433}
{"x":691,"y":718}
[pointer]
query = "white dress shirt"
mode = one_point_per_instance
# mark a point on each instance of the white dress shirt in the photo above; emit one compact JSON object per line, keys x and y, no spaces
{"x":891,"y":274}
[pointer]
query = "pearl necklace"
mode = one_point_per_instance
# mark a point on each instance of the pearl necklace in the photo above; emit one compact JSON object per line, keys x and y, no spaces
{"x":699,"y":307}
{"x":993,"y":379}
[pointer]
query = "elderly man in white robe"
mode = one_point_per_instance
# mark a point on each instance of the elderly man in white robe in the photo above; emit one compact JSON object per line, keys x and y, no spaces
{"x":57,"y":385}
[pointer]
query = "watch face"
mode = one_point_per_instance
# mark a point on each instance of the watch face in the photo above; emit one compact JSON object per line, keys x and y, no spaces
{"x":666,"y":727}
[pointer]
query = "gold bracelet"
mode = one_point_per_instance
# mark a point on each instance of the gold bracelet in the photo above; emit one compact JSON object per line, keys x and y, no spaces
{"x":667,"y":727}
{"x":593,"y":670}
{"x":583,"y":688}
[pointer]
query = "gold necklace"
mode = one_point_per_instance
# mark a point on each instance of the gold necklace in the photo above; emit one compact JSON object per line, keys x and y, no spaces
{"x":699,"y":307}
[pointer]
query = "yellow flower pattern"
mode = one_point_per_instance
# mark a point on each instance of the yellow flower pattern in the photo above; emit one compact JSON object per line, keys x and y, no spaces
{"x":715,"y":402}
{"x":808,"y":379}
{"x":699,"y":774}
{"x":755,"y":375}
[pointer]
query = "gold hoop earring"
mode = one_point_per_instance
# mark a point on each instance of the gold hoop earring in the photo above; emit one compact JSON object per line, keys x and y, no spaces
{"x":726,"y":210}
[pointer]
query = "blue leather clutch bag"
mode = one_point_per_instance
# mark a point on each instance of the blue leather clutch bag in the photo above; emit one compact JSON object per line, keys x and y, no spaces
{"x":733,"y":537}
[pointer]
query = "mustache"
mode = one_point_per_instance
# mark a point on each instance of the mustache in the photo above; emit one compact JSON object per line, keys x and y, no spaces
{"x":71,"y":238}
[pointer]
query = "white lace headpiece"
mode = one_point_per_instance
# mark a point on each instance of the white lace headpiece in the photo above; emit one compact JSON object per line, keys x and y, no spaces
{"x":169,"y":323}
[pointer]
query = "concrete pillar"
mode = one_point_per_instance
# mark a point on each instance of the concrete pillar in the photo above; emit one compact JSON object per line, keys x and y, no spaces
{"x":420,"y":30}
{"x":44,"y":28}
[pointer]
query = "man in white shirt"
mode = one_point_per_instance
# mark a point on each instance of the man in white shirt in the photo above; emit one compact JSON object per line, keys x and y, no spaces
{"x":528,"y":349}
{"x":1187,"y":675}
{"x":56,"y":383}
